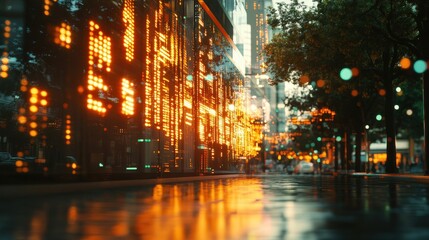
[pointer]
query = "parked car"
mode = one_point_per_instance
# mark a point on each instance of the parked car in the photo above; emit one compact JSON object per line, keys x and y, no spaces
{"x":67,"y":166}
{"x":289,"y":169}
{"x":304,"y":167}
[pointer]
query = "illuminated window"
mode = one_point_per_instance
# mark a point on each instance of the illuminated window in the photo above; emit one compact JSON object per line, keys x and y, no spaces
{"x":128,"y":19}
{"x":127,"y":97}
{"x":67,"y":130}
{"x":4,"y":65}
{"x":63,"y":35}
{"x":99,"y":61}
{"x":47,"y":6}
{"x":37,"y":110}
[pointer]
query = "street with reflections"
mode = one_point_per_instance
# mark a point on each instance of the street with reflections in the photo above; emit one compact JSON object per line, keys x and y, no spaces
{"x":244,"y":207}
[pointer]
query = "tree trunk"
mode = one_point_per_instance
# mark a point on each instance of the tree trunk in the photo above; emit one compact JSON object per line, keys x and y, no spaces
{"x":348,"y":150}
{"x":390,"y":128}
{"x":358,"y":150}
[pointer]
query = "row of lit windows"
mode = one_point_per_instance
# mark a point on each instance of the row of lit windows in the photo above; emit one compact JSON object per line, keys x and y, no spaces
{"x":47,"y":6}
{"x":63,"y":35}
{"x":99,"y":60}
{"x":4,"y":65}
{"x":128,"y":19}
{"x":38,"y":102}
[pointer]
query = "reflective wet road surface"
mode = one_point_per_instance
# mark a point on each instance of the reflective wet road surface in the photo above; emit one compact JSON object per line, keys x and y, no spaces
{"x":253,"y":207}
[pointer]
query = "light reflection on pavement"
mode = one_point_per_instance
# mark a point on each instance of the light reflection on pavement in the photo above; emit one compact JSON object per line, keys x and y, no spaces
{"x":256,"y":207}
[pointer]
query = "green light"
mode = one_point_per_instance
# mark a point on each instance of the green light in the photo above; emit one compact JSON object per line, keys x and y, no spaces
{"x":144,"y":140}
{"x":378,"y":117}
{"x":131,"y":168}
{"x":346,"y":74}
{"x":338,"y":138}
{"x":147,"y":166}
{"x":420,"y":66}
{"x":319,"y":139}
{"x":189,"y":77}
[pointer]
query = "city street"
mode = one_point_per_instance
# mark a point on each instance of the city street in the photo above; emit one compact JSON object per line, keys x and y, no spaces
{"x":272,"y":206}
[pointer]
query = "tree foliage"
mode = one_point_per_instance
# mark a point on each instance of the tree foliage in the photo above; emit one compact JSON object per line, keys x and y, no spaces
{"x":316,"y":43}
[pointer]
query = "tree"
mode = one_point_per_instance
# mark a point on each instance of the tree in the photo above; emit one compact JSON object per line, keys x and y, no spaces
{"x":321,"y":41}
{"x":417,"y":19}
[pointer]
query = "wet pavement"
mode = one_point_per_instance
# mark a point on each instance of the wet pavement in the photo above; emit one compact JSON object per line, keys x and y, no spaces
{"x":247,"y":207}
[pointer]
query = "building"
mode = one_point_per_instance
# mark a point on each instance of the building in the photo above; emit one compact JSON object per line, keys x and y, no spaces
{"x":128,"y":86}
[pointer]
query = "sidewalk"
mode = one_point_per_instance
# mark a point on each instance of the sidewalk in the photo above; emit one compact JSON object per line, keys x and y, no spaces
{"x":23,"y":190}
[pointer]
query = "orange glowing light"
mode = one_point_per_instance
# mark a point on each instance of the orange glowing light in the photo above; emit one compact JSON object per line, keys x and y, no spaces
{"x":33,"y":133}
{"x":355,"y":72}
{"x":33,"y":108}
{"x":405,"y":63}
{"x":22,"y":119}
{"x":355,"y":92}
{"x":320,"y":83}
{"x":4,"y":68}
{"x":5,"y":60}
{"x":382,"y":92}
{"x":33,"y":125}
{"x":19,"y":163}
{"x":304,"y":79}
{"x":99,"y":48}
{"x":128,"y":20}
{"x":34,"y":90}
{"x":33,"y":100}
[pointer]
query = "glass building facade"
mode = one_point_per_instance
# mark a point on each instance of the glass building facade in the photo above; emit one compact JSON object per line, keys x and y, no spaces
{"x":92,"y":86}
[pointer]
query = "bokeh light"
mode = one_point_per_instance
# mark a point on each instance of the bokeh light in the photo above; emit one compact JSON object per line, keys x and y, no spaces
{"x":420,"y":66}
{"x":346,"y":74}
{"x":304,"y":79}
{"x":378,"y":117}
{"x":396,"y":107}
{"x":355,"y":93}
{"x":409,"y":112}
{"x":382,"y":92}
{"x":320,"y":83}
{"x":405,"y":63}
{"x":355,"y":72}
